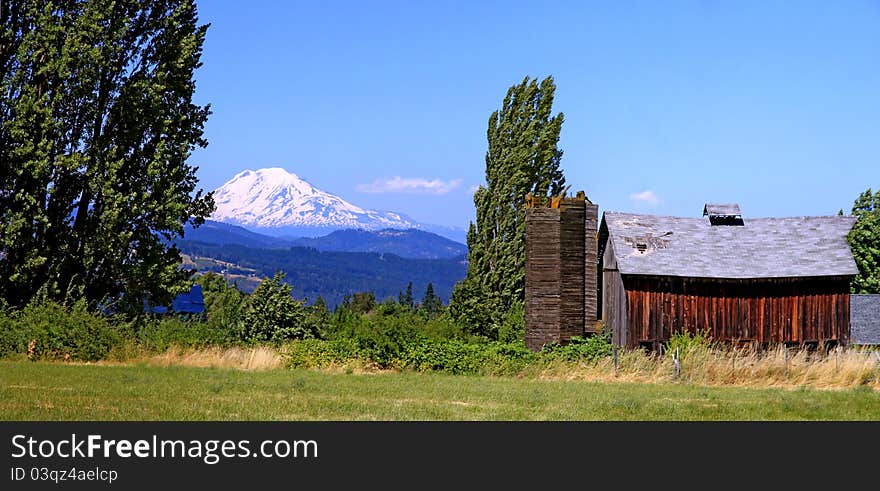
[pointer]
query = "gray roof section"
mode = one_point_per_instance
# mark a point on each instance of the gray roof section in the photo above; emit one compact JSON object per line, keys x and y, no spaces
{"x":788,"y":247}
{"x":731,"y":209}
{"x":864,"y":314}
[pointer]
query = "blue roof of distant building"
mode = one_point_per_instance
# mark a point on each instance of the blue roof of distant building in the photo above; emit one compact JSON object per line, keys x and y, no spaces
{"x":192,"y":302}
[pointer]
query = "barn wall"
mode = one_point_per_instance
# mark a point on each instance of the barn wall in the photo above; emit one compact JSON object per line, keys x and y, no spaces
{"x":763,"y":311}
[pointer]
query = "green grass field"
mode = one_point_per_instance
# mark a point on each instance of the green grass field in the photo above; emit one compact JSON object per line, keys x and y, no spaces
{"x":55,"y":391}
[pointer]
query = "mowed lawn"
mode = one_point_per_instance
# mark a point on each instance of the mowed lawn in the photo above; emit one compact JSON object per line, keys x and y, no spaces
{"x":55,"y":391}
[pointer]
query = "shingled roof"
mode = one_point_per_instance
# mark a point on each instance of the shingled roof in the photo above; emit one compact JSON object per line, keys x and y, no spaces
{"x":788,"y":247}
{"x":864,"y":314}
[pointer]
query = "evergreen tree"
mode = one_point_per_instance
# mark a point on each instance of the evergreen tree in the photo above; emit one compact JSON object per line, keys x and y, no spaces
{"x":522,"y":158}
{"x":408,"y":301}
{"x":864,"y":240}
{"x":363,"y":302}
{"x":97,"y":121}
{"x":431,"y":303}
{"x":320,"y":304}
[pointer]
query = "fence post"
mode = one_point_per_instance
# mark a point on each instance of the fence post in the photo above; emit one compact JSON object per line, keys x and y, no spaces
{"x":676,"y":362}
{"x":785,"y":358}
{"x":614,"y":352}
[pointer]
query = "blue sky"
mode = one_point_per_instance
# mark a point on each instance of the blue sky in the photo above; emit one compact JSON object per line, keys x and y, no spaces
{"x":775,"y":105}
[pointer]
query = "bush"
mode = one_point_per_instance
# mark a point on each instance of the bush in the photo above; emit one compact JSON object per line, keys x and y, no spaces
{"x":691,"y":346}
{"x":160,"y":333}
{"x":315,"y":353}
{"x":271,"y":313}
{"x":578,"y":348}
{"x":49,"y":330}
{"x":223,"y":306}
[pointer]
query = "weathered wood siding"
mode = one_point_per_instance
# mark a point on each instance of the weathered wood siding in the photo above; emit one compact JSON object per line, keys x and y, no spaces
{"x":571,"y":301}
{"x":560,"y":283}
{"x":613,"y":298}
{"x":789,"y":310}
{"x":591,"y":267}
{"x":542,"y":284}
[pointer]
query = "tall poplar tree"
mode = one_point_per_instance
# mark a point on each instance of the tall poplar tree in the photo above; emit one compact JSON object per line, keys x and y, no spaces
{"x":97,"y":121}
{"x":522,"y":157}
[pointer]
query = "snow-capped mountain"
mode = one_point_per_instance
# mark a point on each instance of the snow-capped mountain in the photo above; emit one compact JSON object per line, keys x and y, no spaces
{"x":279,"y":202}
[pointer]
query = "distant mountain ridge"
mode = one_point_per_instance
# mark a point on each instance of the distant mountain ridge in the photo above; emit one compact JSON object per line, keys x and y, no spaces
{"x":410,"y":243}
{"x":276,"y":202}
{"x":219,"y":233}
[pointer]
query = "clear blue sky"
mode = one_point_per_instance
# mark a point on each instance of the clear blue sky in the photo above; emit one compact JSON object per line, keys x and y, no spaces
{"x":775,"y":105}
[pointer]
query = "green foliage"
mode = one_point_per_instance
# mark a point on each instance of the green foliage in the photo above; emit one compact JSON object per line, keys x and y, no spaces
{"x":271,"y":313}
{"x":50,"y":330}
{"x":97,"y":121}
{"x":406,"y":299}
{"x":513,"y":324}
{"x":431,"y":303}
{"x":360,"y":302}
{"x":522,"y":158}
{"x":689,"y":346}
{"x":224,"y":304}
{"x":315,"y":353}
{"x":158,"y":333}
{"x":578,"y":348}
{"x":864,"y":240}
{"x":473,"y":308}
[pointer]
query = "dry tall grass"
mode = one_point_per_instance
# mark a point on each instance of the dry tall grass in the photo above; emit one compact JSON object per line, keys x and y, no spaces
{"x":257,"y":358}
{"x":841,"y":368}
{"x":787,"y":368}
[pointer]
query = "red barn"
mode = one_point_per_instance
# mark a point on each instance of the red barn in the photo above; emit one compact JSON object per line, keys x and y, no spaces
{"x":753,"y":280}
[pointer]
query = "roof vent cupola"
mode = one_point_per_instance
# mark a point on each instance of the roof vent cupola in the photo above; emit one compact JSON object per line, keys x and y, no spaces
{"x":723,"y":214}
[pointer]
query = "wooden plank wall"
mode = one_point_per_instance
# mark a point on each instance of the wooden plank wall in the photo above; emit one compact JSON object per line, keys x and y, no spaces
{"x":613,"y":298}
{"x":555,"y":295}
{"x":789,"y":310}
{"x":571,"y":237}
{"x":542,"y":283}
{"x":591,"y":267}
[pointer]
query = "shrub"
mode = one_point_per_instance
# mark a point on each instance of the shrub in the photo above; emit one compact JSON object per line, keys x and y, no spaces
{"x":578,"y":348}
{"x":271,"y":313}
{"x":315,"y":353}
{"x":161,"y":333}
{"x":48,"y":330}
{"x":690,"y":346}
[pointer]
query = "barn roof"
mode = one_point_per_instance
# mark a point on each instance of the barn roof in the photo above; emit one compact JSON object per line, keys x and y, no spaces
{"x":787,"y":247}
{"x":864,"y":314}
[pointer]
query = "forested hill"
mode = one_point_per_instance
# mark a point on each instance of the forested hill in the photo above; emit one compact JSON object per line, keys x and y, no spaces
{"x":333,"y":275}
{"x":405,"y":243}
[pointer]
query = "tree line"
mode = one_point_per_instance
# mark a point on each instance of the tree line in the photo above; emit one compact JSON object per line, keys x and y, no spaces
{"x":98,"y":124}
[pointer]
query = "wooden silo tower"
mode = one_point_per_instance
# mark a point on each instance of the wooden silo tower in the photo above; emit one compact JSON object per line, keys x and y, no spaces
{"x":561,"y":269}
